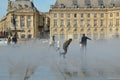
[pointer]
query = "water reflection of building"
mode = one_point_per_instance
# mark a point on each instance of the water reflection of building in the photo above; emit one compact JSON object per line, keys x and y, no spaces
{"x":99,"y":19}
{"x":23,"y":17}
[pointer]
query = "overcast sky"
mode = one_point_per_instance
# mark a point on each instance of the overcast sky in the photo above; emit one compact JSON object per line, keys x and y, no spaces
{"x":42,"y":5}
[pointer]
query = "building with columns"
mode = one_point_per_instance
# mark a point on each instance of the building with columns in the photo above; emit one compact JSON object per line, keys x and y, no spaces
{"x":24,"y":18}
{"x":98,"y":19}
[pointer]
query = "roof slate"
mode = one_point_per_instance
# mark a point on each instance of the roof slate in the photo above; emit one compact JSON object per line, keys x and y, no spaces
{"x":84,"y":3}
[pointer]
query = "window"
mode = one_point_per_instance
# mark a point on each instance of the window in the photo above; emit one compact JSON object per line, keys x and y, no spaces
{"x":29,"y":36}
{"x":20,"y":6}
{"x":88,"y":23}
{"x":82,"y":15}
{"x":28,"y":17}
{"x":82,"y":22}
{"x":75,"y":2}
{"x":22,"y":35}
{"x":102,"y":15}
{"x":111,"y":22}
{"x":113,"y":5}
{"x":117,"y":22}
{"x":26,"y":6}
{"x":68,"y":15}
{"x":95,"y":22}
{"x":16,"y":24}
{"x":88,"y":15}
{"x":75,"y":6}
{"x":62,"y":15}
{"x":89,"y":6}
{"x":55,"y":22}
{"x":111,"y":15}
{"x":23,"y":31}
{"x":61,"y":22}
{"x":102,"y":6}
{"x":101,"y":22}
{"x":75,"y":23}
{"x":88,"y":3}
{"x":75,"y":15}
{"x":62,"y":6}
{"x":68,"y":23}
{"x":55,"y":15}
{"x":22,"y":21}
{"x":95,"y":15}
{"x":28,"y":23}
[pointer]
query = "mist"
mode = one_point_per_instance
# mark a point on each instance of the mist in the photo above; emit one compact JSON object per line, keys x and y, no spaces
{"x":36,"y":60}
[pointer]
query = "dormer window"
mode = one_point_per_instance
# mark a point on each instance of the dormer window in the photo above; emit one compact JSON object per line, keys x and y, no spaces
{"x":89,"y":6}
{"x":102,"y":6}
{"x":113,"y":5}
{"x":26,"y":6}
{"x":88,"y":3}
{"x":62,"y":6}
{"x":20,"y":6}
{"x":75,"y":6}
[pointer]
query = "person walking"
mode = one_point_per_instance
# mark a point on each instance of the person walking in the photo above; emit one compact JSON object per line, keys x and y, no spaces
{"x":65,"y":47}
{"x":14,"y":39}
{"x":83,"y":42}
{"x":53,"y":40}
{"x":9,"y":40}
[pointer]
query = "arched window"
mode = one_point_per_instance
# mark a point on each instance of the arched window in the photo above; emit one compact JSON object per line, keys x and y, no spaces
{"x":22,"y":35}
{"x":62,"y":5}
{"x":29,"y":36}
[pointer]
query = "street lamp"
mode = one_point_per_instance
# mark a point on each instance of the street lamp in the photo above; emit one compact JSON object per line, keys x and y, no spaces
{"x":15,"y":30}
{"x":13,"y":21}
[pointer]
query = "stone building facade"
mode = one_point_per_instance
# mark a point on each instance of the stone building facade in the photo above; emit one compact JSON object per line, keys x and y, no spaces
{"x":24,"y":18}
{"x":98,"y":19}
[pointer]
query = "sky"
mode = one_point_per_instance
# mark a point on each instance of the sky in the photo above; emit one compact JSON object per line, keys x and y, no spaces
{"x":42,"y":5}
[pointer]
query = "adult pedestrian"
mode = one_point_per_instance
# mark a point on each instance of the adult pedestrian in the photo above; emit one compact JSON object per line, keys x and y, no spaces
{"x":65,"y":47}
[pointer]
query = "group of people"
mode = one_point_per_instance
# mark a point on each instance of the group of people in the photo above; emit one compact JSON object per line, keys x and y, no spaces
{"x":83,"y":44}
{"x":12,"y":39}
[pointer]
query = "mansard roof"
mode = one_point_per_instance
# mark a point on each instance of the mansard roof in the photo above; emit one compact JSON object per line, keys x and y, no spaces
{"x":86,"y":3}
{"x":21,"y":4}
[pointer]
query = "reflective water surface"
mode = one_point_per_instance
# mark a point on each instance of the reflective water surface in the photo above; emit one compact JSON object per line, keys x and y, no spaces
{"x":36,"y":60}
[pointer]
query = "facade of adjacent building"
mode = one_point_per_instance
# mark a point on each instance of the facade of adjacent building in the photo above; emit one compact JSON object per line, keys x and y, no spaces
{"x":98,"y":19}
{"x":22,"y":17}
{"x":2,"y":27}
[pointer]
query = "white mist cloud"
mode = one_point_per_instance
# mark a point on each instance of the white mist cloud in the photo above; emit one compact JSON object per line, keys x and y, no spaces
{"x":100,"y":61}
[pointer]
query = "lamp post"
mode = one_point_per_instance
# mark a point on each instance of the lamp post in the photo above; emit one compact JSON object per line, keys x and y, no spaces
{"x":13,"y":21}
{"x":15,"y":30}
